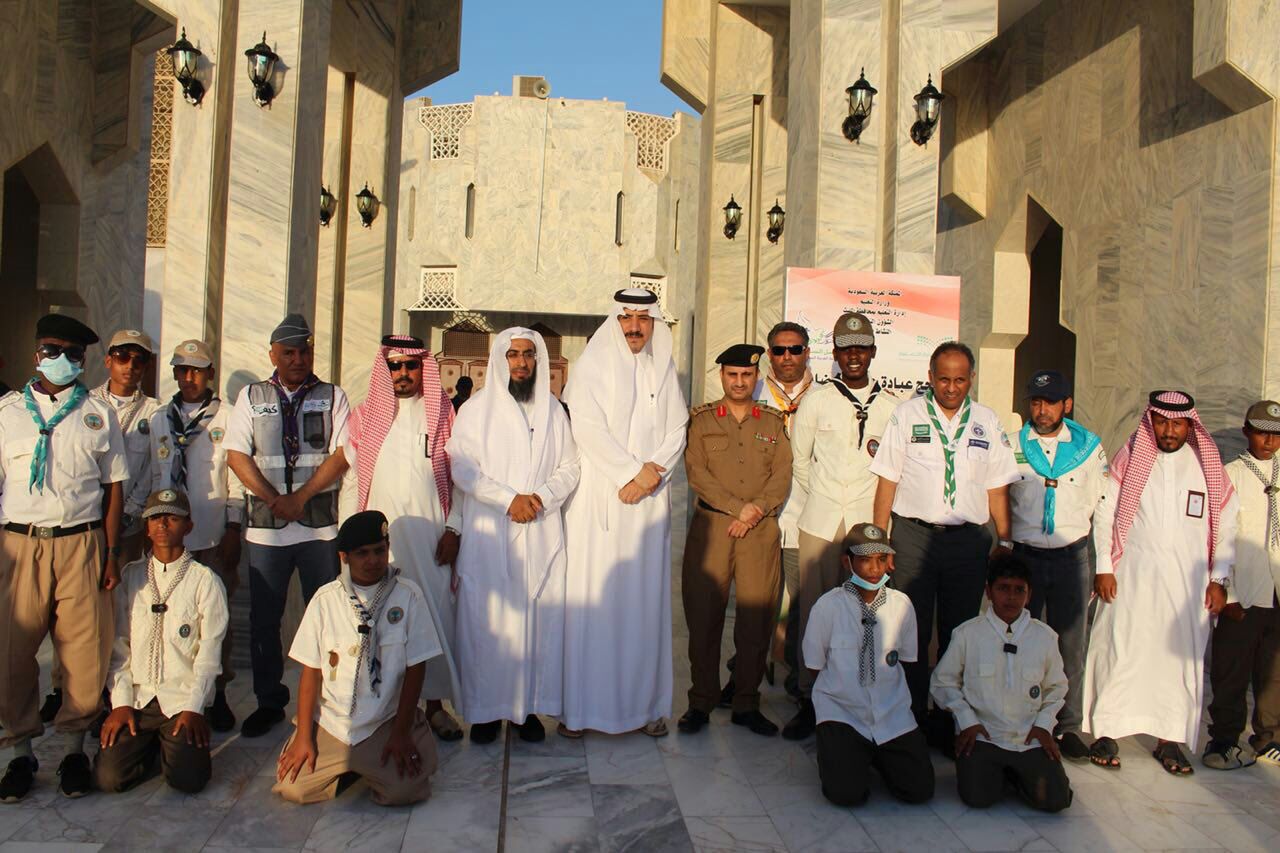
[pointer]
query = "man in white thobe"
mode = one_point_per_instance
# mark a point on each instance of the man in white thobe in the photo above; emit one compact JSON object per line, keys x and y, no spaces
{"x":629,"y":419}
{"x":1165,"y":537}
{"x":397,"y":447}
{"x":515,"y":464}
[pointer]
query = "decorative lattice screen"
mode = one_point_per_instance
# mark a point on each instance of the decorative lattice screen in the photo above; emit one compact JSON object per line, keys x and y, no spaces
{"x":445,"y":124}
{"x":658,"y":286}
{"x":161,"y":137}
{"x":438,"y":290}
{"x":652,"y":135}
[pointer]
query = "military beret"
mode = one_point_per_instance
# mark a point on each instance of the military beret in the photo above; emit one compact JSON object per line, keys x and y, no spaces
{"x":66,"y":328}
{"x":740,"y":355}
{"x":363,"y":528}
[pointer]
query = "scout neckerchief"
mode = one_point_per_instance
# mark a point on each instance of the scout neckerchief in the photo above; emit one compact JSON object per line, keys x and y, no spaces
{"x":159,"y":606}
{"x":1078,"y":446}
{"x":289,"y":406}
{"x":368,"y":615}
{"x":184,"y":434}
{"x":867,"y":652}
{"x":1270,"y":489}
{"x":126,"y":414}
{"x":40,"y":457}
{"x":863,"y":410}
{"x":784,"y":402}
{"x":949,"y":444}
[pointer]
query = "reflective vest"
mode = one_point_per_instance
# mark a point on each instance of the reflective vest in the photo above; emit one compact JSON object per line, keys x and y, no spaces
{"x":315,"y":428}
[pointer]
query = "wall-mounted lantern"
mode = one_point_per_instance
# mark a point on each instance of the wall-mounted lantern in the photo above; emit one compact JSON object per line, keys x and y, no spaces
{"x":186,"y":59}
{"x":861,"y":99}
{"x":328,"y":204}
{"x":366,"y":206}
{"x":732,"y":218}
{"x":928,"y":109}
{"x":262,"y":65}
{"x":777,"y":218}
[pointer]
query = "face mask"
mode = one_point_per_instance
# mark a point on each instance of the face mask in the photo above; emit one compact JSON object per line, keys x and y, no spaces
{"x":868,"y":585}
{"x":60,"y":370}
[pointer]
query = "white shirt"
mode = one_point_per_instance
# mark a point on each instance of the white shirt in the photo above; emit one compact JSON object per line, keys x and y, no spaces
{"x":1077,"y":495}
{"x":771,"y":394}
{"x":86,"y":451}
{"x":191,"y":651}
{"x":832,"y":481}
{"x":239,"y":438}
{"x":215,"y":493}
{"x":1257,"y":570}
{"x":911,"y":455}
{"x":137,"y":448}
{"x":328,"y":635}
{"x":1009,"y":694}
{"x":879,"y":711}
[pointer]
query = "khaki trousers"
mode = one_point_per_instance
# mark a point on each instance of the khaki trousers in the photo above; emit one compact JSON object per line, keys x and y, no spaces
{"x":52,"y":586}
{"x":820,"y":572}
{"x":713,"y":560}
{"x":386,"y":786}
{"x":231,"y":582}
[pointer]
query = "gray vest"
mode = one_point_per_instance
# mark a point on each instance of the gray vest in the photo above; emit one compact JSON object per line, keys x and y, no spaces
{"x":314,"y":415}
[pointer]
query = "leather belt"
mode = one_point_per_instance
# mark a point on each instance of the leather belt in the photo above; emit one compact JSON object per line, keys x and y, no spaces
{"x":51,"y":532}
{"x":929,"y":525}
{"x":1065,"y":549}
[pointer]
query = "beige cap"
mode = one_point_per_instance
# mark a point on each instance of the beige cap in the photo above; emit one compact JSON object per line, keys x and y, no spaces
{"x":131,"y":338}
{"x":853,"y":330}
{"x":192,"y":353}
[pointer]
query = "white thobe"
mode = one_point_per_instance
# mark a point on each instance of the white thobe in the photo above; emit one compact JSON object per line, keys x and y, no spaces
{"x":1144,"y":673}
{"x":618,"y":638}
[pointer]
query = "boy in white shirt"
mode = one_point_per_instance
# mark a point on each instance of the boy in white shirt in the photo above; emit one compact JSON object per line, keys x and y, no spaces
{"x":1002,"y":679}
{"x":856,"y":638}
{"x":171,"y":615}
{"x":363,"y":644}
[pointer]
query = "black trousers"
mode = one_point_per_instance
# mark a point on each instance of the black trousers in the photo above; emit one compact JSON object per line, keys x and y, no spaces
{"x":1039,"y":780}
{"x":133,"y":758}
{"x":1061,"y":583}
{"x":845,"y":759}
{"x":942,"y":568}
{"x":1246,"y":654}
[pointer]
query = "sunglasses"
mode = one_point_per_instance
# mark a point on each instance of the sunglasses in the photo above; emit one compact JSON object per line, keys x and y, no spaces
{"x":794,"y":349}
{"x":407,"y":364}
{"x":138,"y":359}
{"x":73,"y":352}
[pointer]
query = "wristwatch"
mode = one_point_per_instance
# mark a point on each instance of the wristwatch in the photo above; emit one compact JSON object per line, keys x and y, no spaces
{"x":1006,"y":543}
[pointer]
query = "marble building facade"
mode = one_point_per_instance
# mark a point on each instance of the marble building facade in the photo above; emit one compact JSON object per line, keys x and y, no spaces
{"x":1102,"y":179}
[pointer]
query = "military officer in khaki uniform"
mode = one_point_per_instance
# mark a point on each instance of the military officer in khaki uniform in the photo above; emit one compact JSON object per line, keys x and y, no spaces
{"x":738,"y":460}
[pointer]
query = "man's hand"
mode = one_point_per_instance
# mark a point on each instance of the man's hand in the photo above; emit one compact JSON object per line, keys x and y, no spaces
{"x":402,"y":748}
{"x":1215,"y":598}
{"x":750,"y":515}
{"x":1046,"y":741}
{"x":967,"y":738}
{"x":194,"y":726}
{"x":111,"y":572}
{"x":1234,"y":611}
{"x":524,"y":508}
{"x":118,"y":720}
{"x":650,"y":476}
{"x":632,"y":493}
{"x":229,"y":550}
{"x":739,"y":529}
{"x":1104,"y":586}
{"x":447,"y":548}
{"x":301,"y":752}
{"x":288,"y":507}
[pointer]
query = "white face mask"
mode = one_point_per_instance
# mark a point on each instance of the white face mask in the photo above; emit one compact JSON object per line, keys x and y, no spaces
{"x":60,"y":370}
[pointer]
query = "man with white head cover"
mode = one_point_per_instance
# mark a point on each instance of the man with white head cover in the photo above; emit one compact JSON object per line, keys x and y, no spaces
{"x":629,"y":420}
{"x":514,"y":465}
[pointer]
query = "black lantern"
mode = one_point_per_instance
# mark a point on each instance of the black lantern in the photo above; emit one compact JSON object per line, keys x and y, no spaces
{"x":777,"y":216}
{"x":328,"y":204}
{"x":928,"y":109}
{"x":262,"y":64}
{"x":732,"y":218}
{"x":185,"y":57}
{"x":366,"y":206}
{"x":861,"y":97}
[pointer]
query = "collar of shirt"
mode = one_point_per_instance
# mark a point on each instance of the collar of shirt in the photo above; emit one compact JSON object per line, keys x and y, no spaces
{"x":1005,"y":630}
{"x":800,"y":388}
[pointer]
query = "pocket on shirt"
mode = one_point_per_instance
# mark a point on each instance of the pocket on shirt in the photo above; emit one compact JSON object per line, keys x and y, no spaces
{"x":77,"y":457}
{"x":986,"y":670}
{"x":715,"y":443}
{"x":17,"y":458}
{"x":182,"y":631}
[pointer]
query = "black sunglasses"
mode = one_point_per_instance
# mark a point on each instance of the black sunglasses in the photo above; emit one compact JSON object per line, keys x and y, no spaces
{"x":407,"y":364}
{"x":73,"y":352}
{"x":794,"y":349}
{"x":123,"y":356}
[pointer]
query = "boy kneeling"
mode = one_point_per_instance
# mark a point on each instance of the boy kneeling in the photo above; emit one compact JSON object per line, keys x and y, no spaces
{"x":363,"y":645}
{"x":171,"y":616}
{"x":857,"y":636}
{"x":1002,"y":679}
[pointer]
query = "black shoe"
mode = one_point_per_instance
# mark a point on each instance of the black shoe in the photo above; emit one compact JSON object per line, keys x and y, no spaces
{"x":531,"y":730}
{"x":726,"y":695}
{"x":693,"y":721}
{"x":1073,"y":747}
{"x":261,"y":721}
{"x":52,"y":703}
{"x":754,"y":720}
{"x":17,"y":779}
{"x":220,"y":716}
{"x":485,"y":732}
{"x":803,"y":723}
{"x":74,"y":776}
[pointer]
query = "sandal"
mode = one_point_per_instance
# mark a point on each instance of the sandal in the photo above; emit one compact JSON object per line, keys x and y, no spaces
{"x":1105,"y":753}
{"x":1172,"y":759}
{"x":655,"y":728}
{"x":565,"y":731}
{"x":445,"y":726}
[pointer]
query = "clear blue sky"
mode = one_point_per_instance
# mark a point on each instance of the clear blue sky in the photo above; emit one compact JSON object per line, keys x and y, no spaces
{"x":587,"y":49}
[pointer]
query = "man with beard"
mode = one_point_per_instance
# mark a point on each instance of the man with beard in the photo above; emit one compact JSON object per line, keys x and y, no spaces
{"x":1061,"y":472}
{"x":397,"y":446}
{"x":629,"y":419}
{"x":1165,"y":536}
{"x":515,"y":462}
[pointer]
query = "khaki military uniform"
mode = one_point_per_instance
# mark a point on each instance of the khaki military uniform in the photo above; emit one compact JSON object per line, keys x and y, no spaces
{"x":731,"y":463}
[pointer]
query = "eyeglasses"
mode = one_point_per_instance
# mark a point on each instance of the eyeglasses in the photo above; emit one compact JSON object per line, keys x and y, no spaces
{"x":794,"y":349}
{"x":407,"y":364}
{"x":123,"y":356}
{"x":74,"y":353}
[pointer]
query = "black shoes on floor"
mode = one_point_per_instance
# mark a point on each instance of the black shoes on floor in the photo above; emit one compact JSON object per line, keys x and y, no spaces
{"x":260,"y":721}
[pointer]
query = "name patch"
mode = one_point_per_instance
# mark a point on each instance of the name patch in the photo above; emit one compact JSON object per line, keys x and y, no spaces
{"x":1020,"y":457}
{"x":920,"y":439}
{"x":919,"y":429}
{"x":1195,"y":504}
{"x":265,"y":410}
{"x":316,"y":405}
{"x":977,"y":442}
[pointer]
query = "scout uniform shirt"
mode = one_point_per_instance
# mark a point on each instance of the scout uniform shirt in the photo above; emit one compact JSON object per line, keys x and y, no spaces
{"x":1076,"y":495}
{"x":1257,"y":570}
{"x":86,"y":452}
{"x":730,"y":463}
{"x":192,"y":627}
{"x":214,"y":492}
{"x":980,"y":680}
{"x":911,"y":455}
{"x":328,"y":639}
{"x":137,"y":449}
{"x":879,"y":709}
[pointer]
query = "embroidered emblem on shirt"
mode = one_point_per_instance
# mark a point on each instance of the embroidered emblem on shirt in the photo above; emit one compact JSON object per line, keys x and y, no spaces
{"x":978,"y":431}
{"x":184,"y":631}
{"x":93,"y":421}
{"x":144,"y":426}
{"x":1004,"y":439}
{"x":872,"y":446}
{"x":1019,"y":457}
{"x":394,"y":615}
{"x":920,"y":439}
{"x":262,"y":410}
{"x":977,"y":442}
{"x":892,"y":657}
{"x":163,"y":452}
{"x":1035,"y":691}
{"x":216,"y":434}
{"x":919,"y":429}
